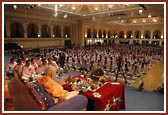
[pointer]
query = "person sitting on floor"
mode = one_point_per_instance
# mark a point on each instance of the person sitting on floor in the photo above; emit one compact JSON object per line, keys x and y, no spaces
{"x":28,"y":71}
{"x":9,"y":68}
{"x":54,"y":88}
{"x":17,"y":70}
{"x":42,"y":68}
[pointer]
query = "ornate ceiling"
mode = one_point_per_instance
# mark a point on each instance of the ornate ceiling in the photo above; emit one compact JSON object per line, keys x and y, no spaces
{"x":106,"y":13}
{"x":89,"y":9}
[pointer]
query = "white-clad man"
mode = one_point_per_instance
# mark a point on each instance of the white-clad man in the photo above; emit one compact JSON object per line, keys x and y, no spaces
{"x":28,"y":71}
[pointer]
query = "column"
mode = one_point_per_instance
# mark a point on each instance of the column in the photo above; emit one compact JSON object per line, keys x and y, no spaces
{"x":39,"y":30}
{"x":125,"y":34}
{"x":160,"y":42}
{"x":62,"y":31}
{"x":51,"y":31}
{"x":142,"y":34}
{"x":133,"y":34}
{"x":150,"y":41}
{"x":162,"y":34}
{"x":151,"y":36}
{"x":91,"y":32}
{"x":80,"y":36}
{"x":85,"y":32}
{"x":25,"y":29}
{"x":131,"y":41}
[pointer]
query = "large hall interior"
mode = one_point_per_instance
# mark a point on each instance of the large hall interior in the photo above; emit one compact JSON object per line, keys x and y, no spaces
{"x":81,"y":56}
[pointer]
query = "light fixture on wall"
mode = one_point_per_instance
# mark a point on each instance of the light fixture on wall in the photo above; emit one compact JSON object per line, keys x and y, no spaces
{"x":39,"y":35}
{"x":15,"y":6}
{"x":85,"y":35}
{"x":149,"y":16}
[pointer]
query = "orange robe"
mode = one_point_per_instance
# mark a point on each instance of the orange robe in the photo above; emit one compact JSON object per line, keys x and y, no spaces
{"x":52,"y":87}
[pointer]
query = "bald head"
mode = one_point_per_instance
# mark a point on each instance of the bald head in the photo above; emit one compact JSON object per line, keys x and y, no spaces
{"x":51,"y":72}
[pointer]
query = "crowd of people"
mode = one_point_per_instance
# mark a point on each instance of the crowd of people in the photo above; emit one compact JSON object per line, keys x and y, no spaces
{"x":130,"y":58}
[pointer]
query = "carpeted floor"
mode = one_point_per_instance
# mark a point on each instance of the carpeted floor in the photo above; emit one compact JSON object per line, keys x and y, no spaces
{"x":143,"y":101}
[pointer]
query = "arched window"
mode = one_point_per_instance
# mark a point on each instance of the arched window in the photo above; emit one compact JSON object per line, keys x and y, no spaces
{"x":45,"y":31}
{"x":17,"y":30}
{"x":121,"y":34}
{"x":147,"y":34}
{"x":89,"y":33}
{"x":114,"y":35}
{"x":137,"y":34}
{"x":108,"y":34}
{"x":67,"y":31}
{"x":156,"y":34}
{"x":32,"y":31}
{"x":57,"y":31}
{"x":94,"y":33}
{"x":129,"y":34}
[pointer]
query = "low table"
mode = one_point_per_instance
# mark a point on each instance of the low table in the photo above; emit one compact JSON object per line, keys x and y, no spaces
{"x":110,"y":96}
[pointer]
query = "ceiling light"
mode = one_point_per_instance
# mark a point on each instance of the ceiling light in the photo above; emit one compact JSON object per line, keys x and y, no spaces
{"x":96,"y":8}
{"x":73,"y":8}
{"x":15,"y":7}
{"x":61,"y":5}
{"x":134,"y":21}
{"x":140,"y":12}
{"x":27,"y":7}
{"x":110,"y":6}
{"x":55,"y":14}
{"x":65,"y":16}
